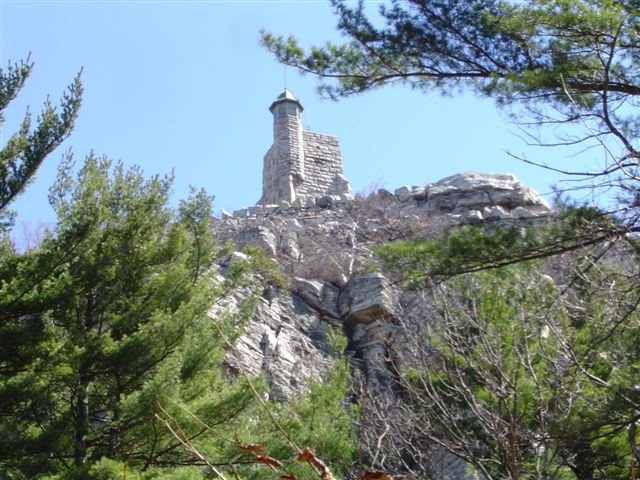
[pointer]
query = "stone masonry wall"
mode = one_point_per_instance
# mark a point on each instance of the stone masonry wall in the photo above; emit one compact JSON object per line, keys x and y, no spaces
{"x":301,"y":165}
{"x":322,"y":166}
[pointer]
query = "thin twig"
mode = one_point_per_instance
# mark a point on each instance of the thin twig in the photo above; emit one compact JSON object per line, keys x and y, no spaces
{"x":188,"y":445}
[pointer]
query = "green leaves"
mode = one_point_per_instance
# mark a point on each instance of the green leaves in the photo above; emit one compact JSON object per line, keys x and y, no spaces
{"x":538,"y":46}
{"x":108,"y":344}
{"x":421,"y":43}
{"x":321,"y":421}
{"x":112,"y":307}
{"x":469,"y":249}
{"x":195,"y":213}
{"x":465,"y":249}
{"x":524,"y":379}
{"x":27,"y":149}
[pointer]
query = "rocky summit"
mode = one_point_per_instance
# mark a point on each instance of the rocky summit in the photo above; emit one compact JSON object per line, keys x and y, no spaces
{"x":322,"y":239}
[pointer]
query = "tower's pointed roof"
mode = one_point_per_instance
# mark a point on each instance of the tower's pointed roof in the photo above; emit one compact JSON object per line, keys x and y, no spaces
{"x":285,"y":96}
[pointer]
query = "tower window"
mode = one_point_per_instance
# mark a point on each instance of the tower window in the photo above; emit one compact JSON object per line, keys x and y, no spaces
{"x":286,"y":110}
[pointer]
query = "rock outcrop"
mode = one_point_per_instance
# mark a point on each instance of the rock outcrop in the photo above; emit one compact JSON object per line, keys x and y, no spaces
{"x":324,"y":246}
{"x":287,"y":341}
{"x":476,"y":197}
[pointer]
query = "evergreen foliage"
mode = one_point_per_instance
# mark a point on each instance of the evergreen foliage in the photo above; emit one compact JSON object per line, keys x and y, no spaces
{"x":26,"y":149}
{"x":104,"y":322}
{"x":475,"y":248}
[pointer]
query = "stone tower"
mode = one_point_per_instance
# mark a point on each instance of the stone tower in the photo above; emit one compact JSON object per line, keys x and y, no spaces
{"x":300,"y":165}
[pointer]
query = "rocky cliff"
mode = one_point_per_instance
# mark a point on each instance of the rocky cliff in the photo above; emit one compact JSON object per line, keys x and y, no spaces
{"x":324,"y":247}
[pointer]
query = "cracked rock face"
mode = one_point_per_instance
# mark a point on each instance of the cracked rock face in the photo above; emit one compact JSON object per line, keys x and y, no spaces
{"x":287,"y":341}
{"x":323,"y":246}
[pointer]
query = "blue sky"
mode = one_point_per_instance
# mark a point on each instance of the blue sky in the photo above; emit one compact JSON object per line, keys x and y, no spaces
{"x":185,"y":86}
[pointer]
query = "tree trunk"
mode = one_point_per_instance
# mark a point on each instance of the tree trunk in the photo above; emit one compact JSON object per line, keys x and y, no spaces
{"x":584,"y":468}
{"x":82,"y":421}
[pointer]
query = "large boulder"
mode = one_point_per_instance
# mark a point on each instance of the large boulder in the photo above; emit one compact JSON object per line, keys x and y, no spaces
{"x":367,"y":298}
{"x":465,"y":191}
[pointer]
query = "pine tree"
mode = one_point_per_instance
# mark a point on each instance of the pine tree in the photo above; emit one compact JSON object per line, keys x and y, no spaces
{"x":26,"y":149}
{"x":106,"y":323}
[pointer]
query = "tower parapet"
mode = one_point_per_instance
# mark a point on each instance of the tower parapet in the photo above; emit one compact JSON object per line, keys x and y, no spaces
{"x":300,"y":165}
